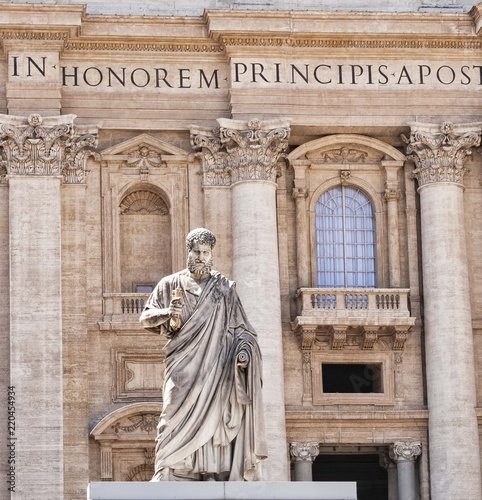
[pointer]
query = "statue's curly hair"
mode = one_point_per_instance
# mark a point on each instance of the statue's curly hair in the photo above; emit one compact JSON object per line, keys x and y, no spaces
{"x":201,"y":235}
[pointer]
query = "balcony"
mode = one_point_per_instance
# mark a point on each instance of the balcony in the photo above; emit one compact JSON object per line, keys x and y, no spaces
{"x":123,"y":309}
{"x":343,"y":317}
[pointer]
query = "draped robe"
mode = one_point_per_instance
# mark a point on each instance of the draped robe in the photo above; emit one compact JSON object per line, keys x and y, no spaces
{"x":212,"y":417}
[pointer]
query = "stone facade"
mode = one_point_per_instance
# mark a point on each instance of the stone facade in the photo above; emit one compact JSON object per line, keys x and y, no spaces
{"x":120,"y":133}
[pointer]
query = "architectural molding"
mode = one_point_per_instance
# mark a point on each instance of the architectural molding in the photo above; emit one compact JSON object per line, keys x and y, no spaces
{"x":241,"y":150}
{"x":50,"y":146}
{"x":439,"y":152}
{"x":405,"y":451}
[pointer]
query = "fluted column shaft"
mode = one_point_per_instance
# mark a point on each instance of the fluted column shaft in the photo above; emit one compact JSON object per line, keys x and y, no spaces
{"x":244,"y":155}
{"x":439,"y":154}
{"x":39,"y":155}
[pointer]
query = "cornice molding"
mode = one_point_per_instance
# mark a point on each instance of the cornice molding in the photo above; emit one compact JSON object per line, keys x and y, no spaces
{"x":144,"y":45}
{"x":219,"y":30}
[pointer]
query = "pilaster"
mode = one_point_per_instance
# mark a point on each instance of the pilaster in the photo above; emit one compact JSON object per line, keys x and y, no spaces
{"x":244,"y":157}
{"x":439,"y":153}
{"x":38,"y":155}
{"x":303,"y":455}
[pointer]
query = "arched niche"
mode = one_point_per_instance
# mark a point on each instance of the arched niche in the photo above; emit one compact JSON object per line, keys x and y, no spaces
{"x":145,"y":237}
{"x":144,"y":182}
{"x":127,"y":440}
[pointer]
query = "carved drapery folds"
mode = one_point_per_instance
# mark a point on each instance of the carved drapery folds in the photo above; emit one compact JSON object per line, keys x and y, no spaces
{"x":239,"y":150}
{"x":439,"y":151}
{"x":405,"y":451}
{"x":50,"y":146}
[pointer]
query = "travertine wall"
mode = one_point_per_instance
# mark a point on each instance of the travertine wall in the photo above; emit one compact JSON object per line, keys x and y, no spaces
{"x":353,"y":81}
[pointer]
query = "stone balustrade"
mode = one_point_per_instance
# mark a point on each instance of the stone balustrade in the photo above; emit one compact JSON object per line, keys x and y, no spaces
{"x":358,"y":306}
{"x":124,"y":307}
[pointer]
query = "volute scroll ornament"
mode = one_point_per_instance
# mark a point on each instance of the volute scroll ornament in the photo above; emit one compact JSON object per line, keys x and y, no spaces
{"x":304,"y":452}
{"x":439,"y":151}
{"x":405,"y":451}
{"x":239,"y":150}
{"x":48,"y":146}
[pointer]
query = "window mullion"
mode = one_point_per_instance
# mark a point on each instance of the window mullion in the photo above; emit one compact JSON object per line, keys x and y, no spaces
{"x":343,"y":225}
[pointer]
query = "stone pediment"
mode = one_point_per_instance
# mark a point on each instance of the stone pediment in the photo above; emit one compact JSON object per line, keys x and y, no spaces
{"x":346,"y":149}
{"x":127,"y":149}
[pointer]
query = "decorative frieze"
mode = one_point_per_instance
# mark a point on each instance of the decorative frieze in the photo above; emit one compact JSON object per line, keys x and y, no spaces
{"x":405,"y":451}
{"x":50,"y":146}
{"x":439,"y":151}
{"x":240,"y":150}
{"x":304,"y":452}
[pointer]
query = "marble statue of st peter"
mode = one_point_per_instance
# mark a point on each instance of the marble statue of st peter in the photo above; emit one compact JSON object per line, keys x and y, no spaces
{"x":211,"y":426}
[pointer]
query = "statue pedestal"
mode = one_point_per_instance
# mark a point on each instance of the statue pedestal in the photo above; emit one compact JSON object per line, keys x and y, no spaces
{"x":259,"y":490}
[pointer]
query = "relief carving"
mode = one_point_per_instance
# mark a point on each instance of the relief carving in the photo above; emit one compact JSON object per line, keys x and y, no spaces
{"x":143,"y":202}
{"x":145,"y":422}
{"x":304,"y":452}
{"x":439,"y":151}
{"x":405,"y":451}
{"x":57,"y":149}
{"x":142,"y":158}
{"x":341,"y":155}
{"x":239,"y":151}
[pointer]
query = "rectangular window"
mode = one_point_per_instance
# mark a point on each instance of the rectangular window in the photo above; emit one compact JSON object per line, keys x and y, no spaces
{"x":352,"y":378}
{"x":143,"y":288}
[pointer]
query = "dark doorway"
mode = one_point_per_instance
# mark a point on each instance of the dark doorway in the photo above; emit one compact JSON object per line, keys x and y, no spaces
{"x":371,"y":479}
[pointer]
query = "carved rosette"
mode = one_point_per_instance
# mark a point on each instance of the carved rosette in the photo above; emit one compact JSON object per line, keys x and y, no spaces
{"x":439,"y":151}
{"x":49,"y":146}
{"x":405,"y":451}
{"x":239,"y":150}
{"x":304,"y":452}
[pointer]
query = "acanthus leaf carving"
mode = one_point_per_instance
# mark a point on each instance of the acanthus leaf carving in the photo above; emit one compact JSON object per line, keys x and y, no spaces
{"x":239,"y":151}
{"x":37,"y":149}
{"x":439,"y":152}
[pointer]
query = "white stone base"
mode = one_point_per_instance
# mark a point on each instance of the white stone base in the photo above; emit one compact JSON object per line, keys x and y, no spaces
{"x":261,"y":490}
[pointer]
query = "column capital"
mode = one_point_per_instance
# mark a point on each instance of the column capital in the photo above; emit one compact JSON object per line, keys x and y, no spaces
{"x":241,"y":150}
{"x":405,"y":451}
{"x":304,"y":452}
{"x":439,"y":151}
{"x":47,"y":146}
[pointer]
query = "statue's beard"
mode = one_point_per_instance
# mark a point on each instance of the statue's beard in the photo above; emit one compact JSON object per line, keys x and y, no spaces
{"x":199,"y":269}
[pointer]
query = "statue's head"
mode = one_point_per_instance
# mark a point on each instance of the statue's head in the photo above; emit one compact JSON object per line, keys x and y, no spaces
{"x":202,"y":236}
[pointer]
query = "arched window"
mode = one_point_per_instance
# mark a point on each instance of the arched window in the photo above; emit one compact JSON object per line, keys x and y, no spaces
{"x":345,"y":239}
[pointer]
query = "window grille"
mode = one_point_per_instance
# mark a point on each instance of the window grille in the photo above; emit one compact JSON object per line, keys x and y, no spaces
{"x":345,"y":239}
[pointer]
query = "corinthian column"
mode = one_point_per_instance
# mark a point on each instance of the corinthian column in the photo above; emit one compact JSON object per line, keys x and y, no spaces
{"x":244,"y":155}
{"x":439,"y":154}
{"x":37,"y":156}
